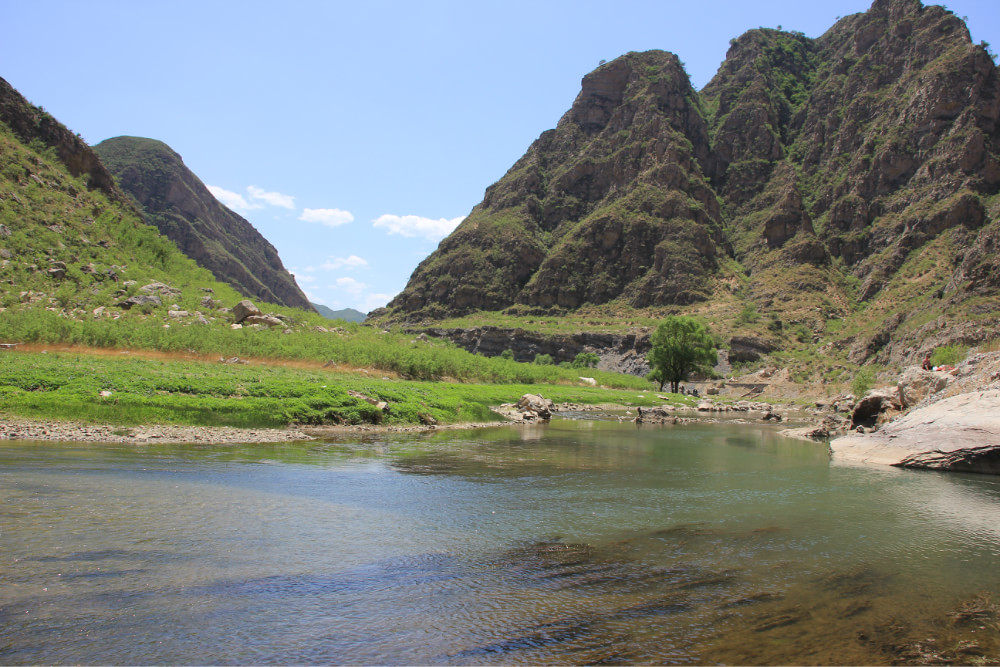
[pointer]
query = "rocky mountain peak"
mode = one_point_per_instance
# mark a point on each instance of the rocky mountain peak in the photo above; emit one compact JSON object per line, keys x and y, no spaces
{"x":817,"y":174}
{"x":182,"y":208}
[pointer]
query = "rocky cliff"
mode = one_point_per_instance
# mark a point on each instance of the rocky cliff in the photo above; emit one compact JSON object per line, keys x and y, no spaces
{"x":182,"y":208}
{"x":850,"y":178}
{"x":31,"y":124}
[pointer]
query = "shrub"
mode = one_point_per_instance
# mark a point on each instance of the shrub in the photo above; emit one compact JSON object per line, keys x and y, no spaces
{"x":863,"y":381}
{"x":947,"y":355}
{"x":543,"y":360}
{"x":585,"y":360}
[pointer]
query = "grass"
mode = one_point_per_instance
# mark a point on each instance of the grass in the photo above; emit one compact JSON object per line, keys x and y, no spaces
{"x":350,"y":345}
{"x":136,"y":389}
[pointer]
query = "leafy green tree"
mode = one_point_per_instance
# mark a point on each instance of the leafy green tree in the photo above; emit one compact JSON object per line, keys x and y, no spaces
{"x":681,"y":346}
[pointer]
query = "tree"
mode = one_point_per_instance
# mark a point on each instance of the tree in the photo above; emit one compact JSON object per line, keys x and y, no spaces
{"x":681,"y":346}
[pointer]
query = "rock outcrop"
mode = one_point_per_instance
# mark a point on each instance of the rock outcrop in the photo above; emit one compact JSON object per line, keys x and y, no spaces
{"x":953,"y":422}
{"x":961,"y":433}
{"x":808,"y":175}
{"x":174,"y":200}
{"x":30,"y":123}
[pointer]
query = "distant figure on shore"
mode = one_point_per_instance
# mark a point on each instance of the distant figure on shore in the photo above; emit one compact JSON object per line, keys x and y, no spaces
{"x":926,"y":365}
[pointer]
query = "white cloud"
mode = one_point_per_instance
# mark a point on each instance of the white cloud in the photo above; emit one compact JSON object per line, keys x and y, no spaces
{"x":232,"y":200}
{"x":414,"y":225}
{"x":352,"y":262}
{"x":272,"y":198}
{"x":331,"y":217}
{"x":305,"y":279}
{"x":258,"y":198}
{"x":350,"y":285}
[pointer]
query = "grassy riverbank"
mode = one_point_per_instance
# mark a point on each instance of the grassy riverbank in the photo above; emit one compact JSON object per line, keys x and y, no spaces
{"x":137,"y":388}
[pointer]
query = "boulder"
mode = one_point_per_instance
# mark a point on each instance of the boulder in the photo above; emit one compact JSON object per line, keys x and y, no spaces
{"x":868,"y":410}
{"x":159,"y":288}
{"x":538,"y":406}
{"x":266,"y":320}
{"x":140,"y":300}
{"x":916,"y":384}
{"x":957,"y":433}
{"x":243,"y":310}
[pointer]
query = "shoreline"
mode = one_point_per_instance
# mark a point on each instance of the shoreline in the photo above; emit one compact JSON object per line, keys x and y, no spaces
{"x":21,"y":428}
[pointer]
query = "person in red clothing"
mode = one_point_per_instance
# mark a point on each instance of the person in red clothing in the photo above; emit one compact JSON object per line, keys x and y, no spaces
{"x":926,"y":365}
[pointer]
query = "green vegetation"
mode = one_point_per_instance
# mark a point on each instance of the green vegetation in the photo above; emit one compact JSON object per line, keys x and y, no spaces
{"x":863,"y":381}
{"x":948,"y":355}
{"x":138,"y":389}
{"x":350,"y":346}
{"x":680,"y":346}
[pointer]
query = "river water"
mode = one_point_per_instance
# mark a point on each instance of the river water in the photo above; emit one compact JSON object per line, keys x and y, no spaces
{"x":582,"y":541}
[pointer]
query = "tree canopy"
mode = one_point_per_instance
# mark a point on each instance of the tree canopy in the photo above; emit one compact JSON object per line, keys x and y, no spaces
{"x":680,"y":346}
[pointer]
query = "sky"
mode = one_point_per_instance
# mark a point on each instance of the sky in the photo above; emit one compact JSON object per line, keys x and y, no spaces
{"x":354,"y":136}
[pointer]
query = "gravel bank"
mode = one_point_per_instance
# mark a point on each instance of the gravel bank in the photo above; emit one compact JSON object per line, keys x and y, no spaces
{"x":25,"y":429}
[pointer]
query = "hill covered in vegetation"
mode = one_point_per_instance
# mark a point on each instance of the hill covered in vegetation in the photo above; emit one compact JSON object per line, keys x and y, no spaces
{"x":837,"y":194}
{"x":175,"y":200}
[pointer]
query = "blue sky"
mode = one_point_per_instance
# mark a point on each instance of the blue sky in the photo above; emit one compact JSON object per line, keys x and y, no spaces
{"x":355,"y":136}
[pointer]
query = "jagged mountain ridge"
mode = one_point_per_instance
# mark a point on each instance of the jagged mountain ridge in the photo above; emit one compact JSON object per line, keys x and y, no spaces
{"x":175,"y":200}
{"x":810,"y":178}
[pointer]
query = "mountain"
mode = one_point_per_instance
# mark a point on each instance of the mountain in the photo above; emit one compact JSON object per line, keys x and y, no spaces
{"x":347,"y":314}
{"x":174,"y":200}
{"x":844,"y":186}
{"x":73,"y":244}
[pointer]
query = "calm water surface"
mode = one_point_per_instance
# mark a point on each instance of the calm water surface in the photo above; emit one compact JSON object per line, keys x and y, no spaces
{"x":577,"y":542}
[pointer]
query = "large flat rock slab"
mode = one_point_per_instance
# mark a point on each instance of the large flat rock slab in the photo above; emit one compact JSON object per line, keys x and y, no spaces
{"x":959,"y":433}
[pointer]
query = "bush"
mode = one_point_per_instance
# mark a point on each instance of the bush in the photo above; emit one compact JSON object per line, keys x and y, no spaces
{"x":543,"y":360}
{"x":947,"y":355}
{"x":863,"y":381}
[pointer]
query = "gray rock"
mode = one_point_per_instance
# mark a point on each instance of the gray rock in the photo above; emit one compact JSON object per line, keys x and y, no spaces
{"x":140,"y":300}
{"x":538,"y":406}
{"x":243,"y":310}
{"x":958,"y":433}
{"x":266,"y":320}
{"x":161,"y":289}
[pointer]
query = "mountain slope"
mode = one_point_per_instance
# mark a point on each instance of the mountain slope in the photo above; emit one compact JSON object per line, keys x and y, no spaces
{"x":182,"y":208}
{"x":851,"y":178}
{"x":74,"y":244}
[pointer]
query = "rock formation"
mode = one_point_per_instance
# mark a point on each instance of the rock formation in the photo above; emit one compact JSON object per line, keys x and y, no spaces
{"x":178,"y":203}
{"x":860,"y":166}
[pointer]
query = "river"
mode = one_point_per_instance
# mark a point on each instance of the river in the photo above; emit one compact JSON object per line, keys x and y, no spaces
{"x":581,"y":541}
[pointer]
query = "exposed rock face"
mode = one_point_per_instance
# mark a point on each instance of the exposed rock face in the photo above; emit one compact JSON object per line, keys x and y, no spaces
{"x":624,"y":353}
{"x":959,"y":433}
{"x":182,"y":208}
{"x":30,"y":123}
{"x":612,"y":203}
{"x":810,"y":170}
